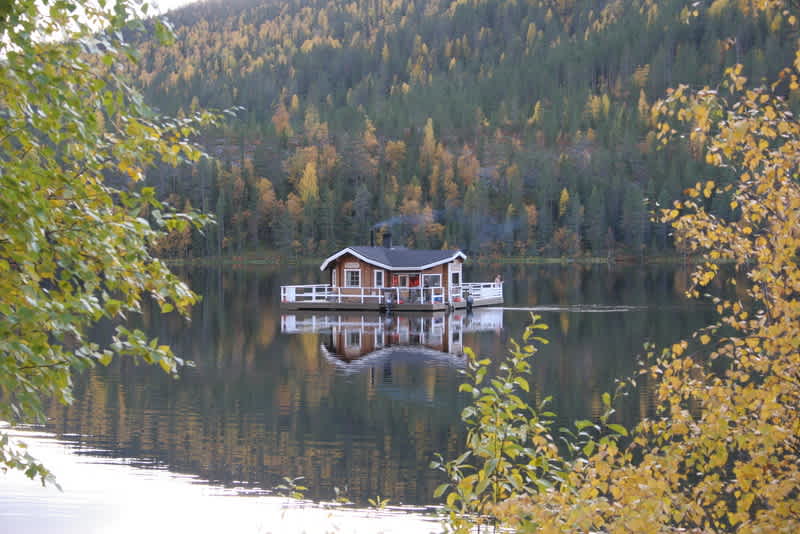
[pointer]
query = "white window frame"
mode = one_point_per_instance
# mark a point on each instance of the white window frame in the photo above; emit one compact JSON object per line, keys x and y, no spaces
{"x":375,"y":274}
{"x":334,"y":277}
{"x":453,"y":269}
{"x":426,"y":277}
{"x":352,"y":339}
{"x":347,"y":278}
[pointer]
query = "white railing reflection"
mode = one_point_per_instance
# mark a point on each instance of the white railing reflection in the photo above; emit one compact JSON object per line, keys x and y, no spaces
{"x":403,"y":328}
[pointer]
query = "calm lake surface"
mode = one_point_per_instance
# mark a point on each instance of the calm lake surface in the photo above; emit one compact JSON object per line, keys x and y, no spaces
{"x":356,"y":402}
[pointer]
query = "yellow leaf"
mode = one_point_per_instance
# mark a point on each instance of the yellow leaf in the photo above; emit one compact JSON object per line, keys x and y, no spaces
{"x":166,"y":365}
{"x":704,"y":339}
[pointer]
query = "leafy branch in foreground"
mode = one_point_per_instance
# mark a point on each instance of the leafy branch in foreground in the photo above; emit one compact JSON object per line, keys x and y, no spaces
{"x":511,"y":451}
{"x":76,"y":227}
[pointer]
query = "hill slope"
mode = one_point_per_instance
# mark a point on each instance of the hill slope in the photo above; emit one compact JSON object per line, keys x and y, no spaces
{"x":505,"y":126}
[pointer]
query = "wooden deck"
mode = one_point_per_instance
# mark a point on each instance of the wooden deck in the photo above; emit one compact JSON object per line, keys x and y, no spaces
{"x":325,"y":297}
{"x":373,"y":306}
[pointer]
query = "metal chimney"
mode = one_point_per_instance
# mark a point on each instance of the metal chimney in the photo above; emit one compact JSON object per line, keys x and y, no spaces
{"x":387,"y":239}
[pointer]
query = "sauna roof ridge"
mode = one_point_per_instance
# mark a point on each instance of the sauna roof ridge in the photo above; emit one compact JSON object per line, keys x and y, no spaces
{"x":396,"y":258}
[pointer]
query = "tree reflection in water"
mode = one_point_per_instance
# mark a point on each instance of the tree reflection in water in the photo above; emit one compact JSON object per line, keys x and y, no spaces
{"x":361,"y":408}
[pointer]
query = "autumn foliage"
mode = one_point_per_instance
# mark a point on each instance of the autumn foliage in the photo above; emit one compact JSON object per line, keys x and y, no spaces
{"x":490,"y":108}
{"x":77,"y":227}
{"x":721,"y":452}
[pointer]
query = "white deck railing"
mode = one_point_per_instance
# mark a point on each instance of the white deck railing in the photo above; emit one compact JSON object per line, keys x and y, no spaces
{"x":478,"y":290}
{"x":322,"y":293}
{"x":325,"y":293}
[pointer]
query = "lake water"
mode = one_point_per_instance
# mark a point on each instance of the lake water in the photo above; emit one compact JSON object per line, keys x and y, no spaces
{"x":355,"y":403}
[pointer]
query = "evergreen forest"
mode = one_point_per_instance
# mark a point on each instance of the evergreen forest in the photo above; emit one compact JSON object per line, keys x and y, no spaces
{"x":501,"y":127}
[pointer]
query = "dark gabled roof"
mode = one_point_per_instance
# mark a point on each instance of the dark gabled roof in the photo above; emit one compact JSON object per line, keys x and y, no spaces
{"x":398,"y":257}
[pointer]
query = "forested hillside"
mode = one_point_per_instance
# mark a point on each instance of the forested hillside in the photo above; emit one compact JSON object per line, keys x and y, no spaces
{"x":497,"y":126}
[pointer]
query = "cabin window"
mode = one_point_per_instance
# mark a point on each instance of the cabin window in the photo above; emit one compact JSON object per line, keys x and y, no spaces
{"x":334,"y":280}
{"x":352,"y":278}
{"x":378,"y":278}
{"x":432,"y":280}
{"x":408,"y":280}
{"x":352,"y":339}
{"x":455,"y":278}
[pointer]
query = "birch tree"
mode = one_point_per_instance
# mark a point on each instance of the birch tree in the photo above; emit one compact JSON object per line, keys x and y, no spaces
{"x":76,"y":226}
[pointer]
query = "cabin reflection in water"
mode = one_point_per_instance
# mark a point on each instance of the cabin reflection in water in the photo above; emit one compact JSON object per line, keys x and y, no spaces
{"x":362,"y":337}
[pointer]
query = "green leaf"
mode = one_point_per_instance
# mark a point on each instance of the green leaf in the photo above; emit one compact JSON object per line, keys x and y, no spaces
{"x":619,"y":429}
{"x":106,"y":357}
{"x":482,"y":485}
{"x":583,"y":423}
{"x":479,"y":375}
{"x":522,"y":383}
{"x":113,"y":307}
{"x":461,"y":459}
{"x":490,"y":466}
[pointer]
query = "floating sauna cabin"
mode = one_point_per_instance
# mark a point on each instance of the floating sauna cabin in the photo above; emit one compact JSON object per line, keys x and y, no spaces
{"x":393,"y":278}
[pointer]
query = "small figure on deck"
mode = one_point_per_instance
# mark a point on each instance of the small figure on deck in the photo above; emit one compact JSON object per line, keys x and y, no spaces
{"x":498,"y":279}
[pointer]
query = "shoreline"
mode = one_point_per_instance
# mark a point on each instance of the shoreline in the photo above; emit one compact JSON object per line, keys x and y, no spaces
{"x":283,"y":260}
